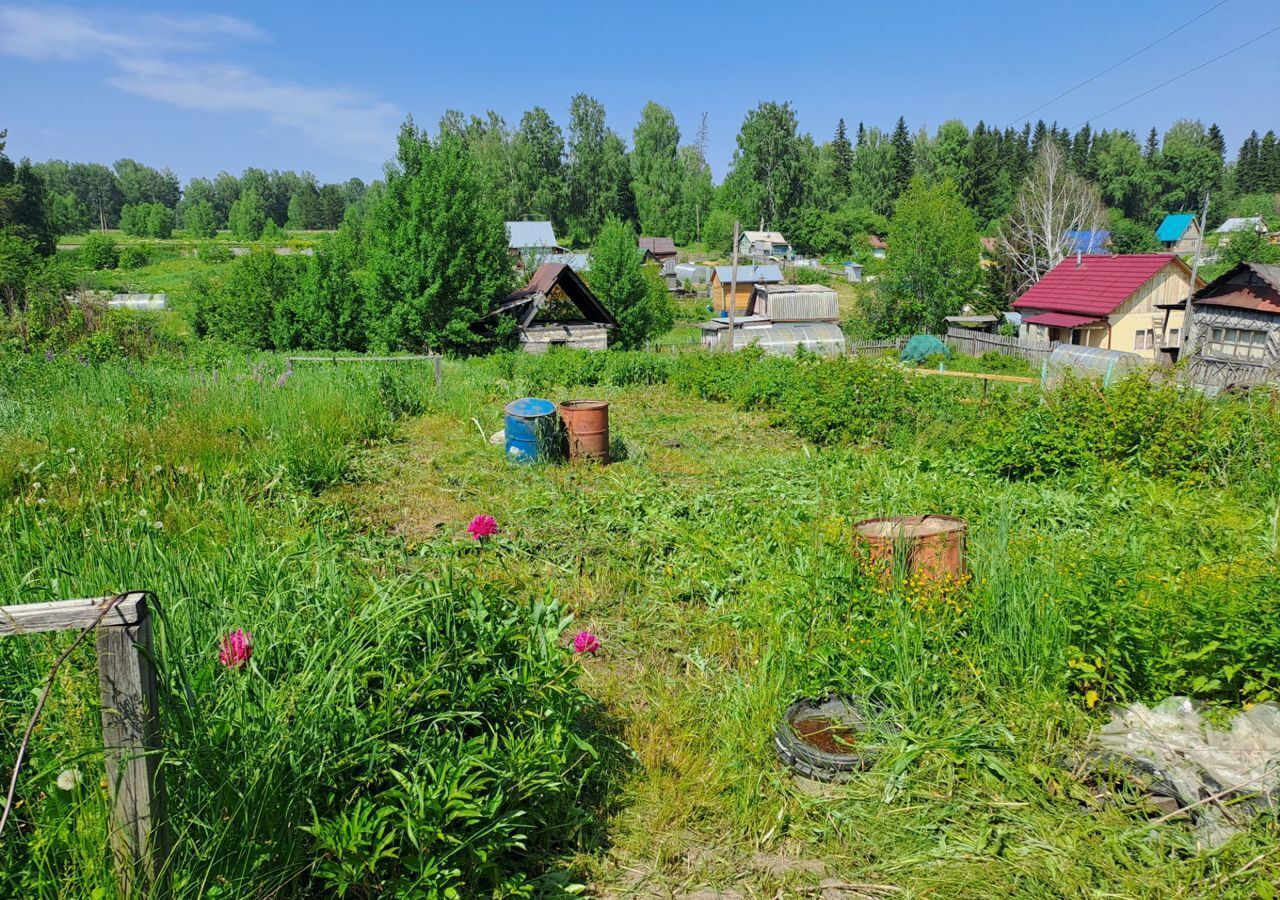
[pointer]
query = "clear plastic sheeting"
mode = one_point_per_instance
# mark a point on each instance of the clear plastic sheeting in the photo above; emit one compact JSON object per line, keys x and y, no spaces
{"x":1220,"y":777}
{"x":1107,"y":366}
{"x":781,"y":338}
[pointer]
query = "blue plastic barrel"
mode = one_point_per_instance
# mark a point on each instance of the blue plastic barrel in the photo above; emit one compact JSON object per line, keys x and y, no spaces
{"x":531,"y":429}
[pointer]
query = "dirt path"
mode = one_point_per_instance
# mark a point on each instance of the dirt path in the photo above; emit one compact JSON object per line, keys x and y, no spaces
{"x":578,"y":527}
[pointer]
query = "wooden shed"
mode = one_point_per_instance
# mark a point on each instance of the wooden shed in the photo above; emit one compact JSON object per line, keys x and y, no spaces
{"x":794,"y":303}
{"x":748,"y":278}
{"x":557,"y":309}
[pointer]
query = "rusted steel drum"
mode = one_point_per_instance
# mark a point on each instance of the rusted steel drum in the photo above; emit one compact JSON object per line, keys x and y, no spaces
{"x":934,"y":545}
{"x":586,"y":423}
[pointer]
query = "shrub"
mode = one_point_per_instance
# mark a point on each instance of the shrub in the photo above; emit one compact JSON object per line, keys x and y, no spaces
{"x":99,"y":251}
{"x":134,"y":256}
{"x":214,"y":253}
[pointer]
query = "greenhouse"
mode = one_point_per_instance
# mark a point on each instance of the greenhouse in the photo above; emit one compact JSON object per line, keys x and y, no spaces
{"x":775,"y":338}
{"x":1108,"y":366}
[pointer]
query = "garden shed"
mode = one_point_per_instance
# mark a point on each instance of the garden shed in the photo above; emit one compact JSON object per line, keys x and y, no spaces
{"x":722,"y":278}
{"x":1234,"y":337}
{"x":794,"y":303}
{"x":557,"y":309}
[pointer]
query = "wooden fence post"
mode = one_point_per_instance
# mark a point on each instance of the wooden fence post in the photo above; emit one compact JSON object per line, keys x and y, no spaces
{"x":132,"y":743}
{"x":130,"y":722}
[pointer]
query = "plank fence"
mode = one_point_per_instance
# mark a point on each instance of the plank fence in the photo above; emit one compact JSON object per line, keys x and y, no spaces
{"x":976,"y":343}
{"x":881,"y":347}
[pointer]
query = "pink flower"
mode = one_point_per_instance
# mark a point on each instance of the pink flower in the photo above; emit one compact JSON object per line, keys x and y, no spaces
{"x":586,"y":642}
{"x":482,"y":527}
{"x":235,"y":649}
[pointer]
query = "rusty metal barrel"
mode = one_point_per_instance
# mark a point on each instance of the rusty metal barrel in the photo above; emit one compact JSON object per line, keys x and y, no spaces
{"x":586,"y":423}
{"x":933,"y":545}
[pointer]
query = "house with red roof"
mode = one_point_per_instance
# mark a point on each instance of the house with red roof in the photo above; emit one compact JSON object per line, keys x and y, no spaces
{"x":1117,"y":302}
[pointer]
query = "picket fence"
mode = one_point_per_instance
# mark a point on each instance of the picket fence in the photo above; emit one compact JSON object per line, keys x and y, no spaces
{"x":976,"y":343}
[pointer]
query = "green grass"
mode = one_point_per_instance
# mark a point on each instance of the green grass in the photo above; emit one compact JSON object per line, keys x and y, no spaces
{"x":714,"y":560}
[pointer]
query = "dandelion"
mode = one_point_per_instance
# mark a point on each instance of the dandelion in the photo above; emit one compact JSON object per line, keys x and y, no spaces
{"x":68,"y":779}
{"x":482,"y":527}
{"x":586,"y":642}
{"x":235,"y":649}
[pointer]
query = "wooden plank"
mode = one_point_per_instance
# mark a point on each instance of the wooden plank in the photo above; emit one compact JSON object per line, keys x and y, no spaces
{"x":1013,"y":379}
{"x":61,"y":615}
{"x":293,"y":359}
{"x":132,"y":742}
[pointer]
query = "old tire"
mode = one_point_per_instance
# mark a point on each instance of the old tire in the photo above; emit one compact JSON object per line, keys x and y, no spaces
{"x":813,"y":762}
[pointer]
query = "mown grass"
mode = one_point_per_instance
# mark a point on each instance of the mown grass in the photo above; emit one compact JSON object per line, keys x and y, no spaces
{"x":714,"y":560}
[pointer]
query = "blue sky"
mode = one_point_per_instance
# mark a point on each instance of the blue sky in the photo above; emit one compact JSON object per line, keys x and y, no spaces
{"x":322,"y":86}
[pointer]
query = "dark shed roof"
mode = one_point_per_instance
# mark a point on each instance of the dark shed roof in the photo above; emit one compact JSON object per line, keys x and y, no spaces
{"x":1248,"y":285}
{"x":658,"y":246}
{"x":526,"y":302}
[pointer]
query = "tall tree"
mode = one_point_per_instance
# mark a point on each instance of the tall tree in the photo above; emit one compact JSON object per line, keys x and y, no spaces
{"x":1052,"y":203}
{"x":437,"y":249}
{"x":1152,"y":148}
{"x":871,"y":186}
{"x":638,"y":298}
{"x":656,"y":171}
{"x":143,"y":184}
{"x":23,"y":210}
{"x":1218,"y":142}
{"x":1249,"y":174}
{"x":537,"y":161}
{"x":933,"y":270}
{"x":1187,"y":167}
{"x":1122,"y":175}
{"x":597,"y":174}
{"x":1269,"y":163}
{"x":842,"y":157}
{"x":903,"y":163}
{"x":765,"y":184}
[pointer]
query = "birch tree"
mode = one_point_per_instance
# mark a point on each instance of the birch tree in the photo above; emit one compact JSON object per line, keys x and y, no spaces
{"x":1053,"y":203}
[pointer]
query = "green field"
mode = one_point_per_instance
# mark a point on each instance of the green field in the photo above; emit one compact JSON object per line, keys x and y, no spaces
{"x":412,"y":720}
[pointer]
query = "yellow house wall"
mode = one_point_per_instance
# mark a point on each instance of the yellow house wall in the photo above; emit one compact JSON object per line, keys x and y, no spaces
{"x":1169,"y":285}
{"x":720,"y":291}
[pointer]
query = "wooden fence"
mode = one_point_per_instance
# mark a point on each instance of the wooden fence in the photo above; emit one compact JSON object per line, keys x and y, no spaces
{"x":882,"y":347}
{"x":976,"y":343}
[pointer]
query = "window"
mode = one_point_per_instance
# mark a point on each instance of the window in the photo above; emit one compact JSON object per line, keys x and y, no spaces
{"x":1144,"y":339}
{"x":1237,"y":343}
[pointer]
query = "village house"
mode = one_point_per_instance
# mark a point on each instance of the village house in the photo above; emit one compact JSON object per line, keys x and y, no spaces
{"x":748,"y":278}
{"x":662,"y":249}
{"x":1242,"y":223}
{"x":764,"y":245}
{"x":1115,"y":302}
{"x":1235,"y":328}
{"x":879,"y":249}
{"x":533,"y":242}
{"x":557,"y":309}
{"x":1179,"y":233}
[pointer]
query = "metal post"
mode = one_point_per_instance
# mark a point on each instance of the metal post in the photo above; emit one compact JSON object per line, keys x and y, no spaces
{"x":1183,"y":340}
{"x":733,"y":285}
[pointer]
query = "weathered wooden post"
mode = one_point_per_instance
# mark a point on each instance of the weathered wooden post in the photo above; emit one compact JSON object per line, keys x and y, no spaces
{"x":130,"y":722}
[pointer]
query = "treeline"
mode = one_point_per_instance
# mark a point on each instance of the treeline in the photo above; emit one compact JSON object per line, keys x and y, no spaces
{"x":824,"y":195}
{"x":151,"y":202}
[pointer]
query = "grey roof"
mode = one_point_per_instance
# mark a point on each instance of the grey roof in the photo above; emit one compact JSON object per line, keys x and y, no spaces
{"x":527,"y":235}
{"x":1238,"y":223}
{"x":750,"y":274}
{"x":579,"y":262}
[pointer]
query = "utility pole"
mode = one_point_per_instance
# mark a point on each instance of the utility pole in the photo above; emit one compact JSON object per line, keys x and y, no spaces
{"x":733,"y":285}
{"x":1183,"y":338}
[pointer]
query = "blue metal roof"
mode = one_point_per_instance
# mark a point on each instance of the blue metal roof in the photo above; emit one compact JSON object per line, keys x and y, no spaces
{"x":1088,"y":241}
{"x":1173,"y":226}
{"x":750,"y":274}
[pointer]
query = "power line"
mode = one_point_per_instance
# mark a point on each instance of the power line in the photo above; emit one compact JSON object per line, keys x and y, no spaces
{"x":1119,"y":64}
{"x":1180,"y":75}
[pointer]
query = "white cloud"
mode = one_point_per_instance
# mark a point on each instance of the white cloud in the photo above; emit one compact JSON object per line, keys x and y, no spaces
{"x":55,"y":32}
{"x":143,"y":51}
{"x":336,"y":116}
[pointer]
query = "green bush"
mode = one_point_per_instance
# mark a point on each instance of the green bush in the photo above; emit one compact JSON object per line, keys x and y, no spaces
{"x":134,"y":256}
{"x":214,"y":253}
{"x":99,"y":251}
